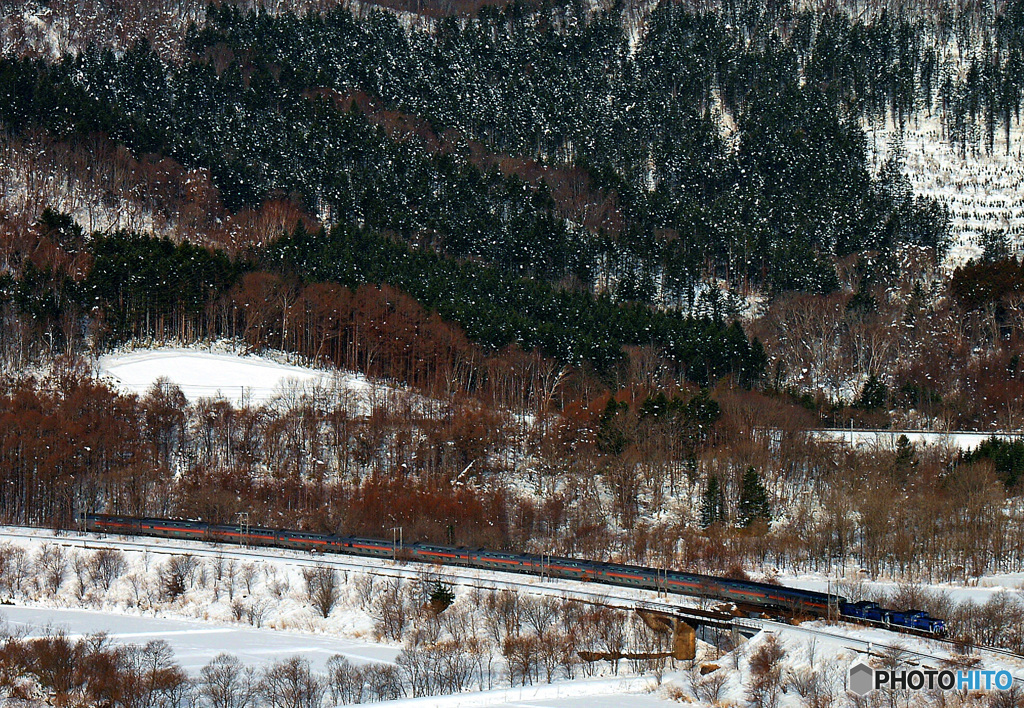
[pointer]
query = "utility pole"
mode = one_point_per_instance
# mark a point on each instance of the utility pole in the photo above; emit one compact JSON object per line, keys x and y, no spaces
{"x":396,"y":541}
{"x":243,"y":528}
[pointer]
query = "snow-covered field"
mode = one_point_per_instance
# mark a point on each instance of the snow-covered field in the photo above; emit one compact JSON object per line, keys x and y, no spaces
{"x":584,"y":693}
{"x":235,"y":377}
{"x":194,"y":643}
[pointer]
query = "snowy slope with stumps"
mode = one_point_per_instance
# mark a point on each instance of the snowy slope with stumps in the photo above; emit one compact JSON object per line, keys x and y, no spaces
{"x":984,"y":191}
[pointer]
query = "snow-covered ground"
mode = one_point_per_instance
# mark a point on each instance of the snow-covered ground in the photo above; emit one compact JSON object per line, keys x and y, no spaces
{"x":284,"y":566}
{"x":194,"y":643}
{"x":986,"y":587}
{"x":613,"y":700}
{"x":238,"y":378}
{"x":204,"y":620}
{"x":583,"y":693}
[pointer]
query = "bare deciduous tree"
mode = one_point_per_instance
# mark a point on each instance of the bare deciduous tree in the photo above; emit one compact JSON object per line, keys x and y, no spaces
{"x":522,"y":654}
{"x":80,"y":566}
{"x":322,"y":588}
{"x":226,"y":683}
{"x":345,"y":681}
{"x":177,"y":575}
{"x":249,"y":573}
{"x":108,"y":564}
{"x":391,"y":611}
{"x":383,"y":682}
{"x":255,"y":612}
{"x":291,"y":684}
{"x":709,"y":687}
{"x":14,"y":569}
{"x":52,"y":565}
{"x":766,"y":673}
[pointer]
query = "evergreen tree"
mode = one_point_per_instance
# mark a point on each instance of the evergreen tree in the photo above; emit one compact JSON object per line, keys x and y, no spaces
{"x":906,"y":454}
{"x":1006,"y":455}
{"x":611,"y":438}
{"x":712,"y":508}
{"x":995,"y":246}
{"x":874,"y":394}
{"x":700,"y":415}
{"x":753,"y":499}
{"x":441,"y":597}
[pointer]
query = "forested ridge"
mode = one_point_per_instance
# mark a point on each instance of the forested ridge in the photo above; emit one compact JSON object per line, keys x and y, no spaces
{"x":136,"y":286}
{"x":774,"y":203}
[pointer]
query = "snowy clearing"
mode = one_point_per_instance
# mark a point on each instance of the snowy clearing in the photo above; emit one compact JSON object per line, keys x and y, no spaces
{"x":239,"y":379}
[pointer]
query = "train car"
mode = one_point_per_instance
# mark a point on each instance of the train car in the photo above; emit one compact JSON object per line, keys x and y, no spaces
{"x":558,"y":567}
{"x":898,"y":617}
{"x":739,"y":592}
{"x":111,"y":524}
{"x":496,"y":560}
{"x":929,"y":624}
{"x":254,"y":536}
{"x":441,"y":554}
{"x":624,"y":575}
{"x":876,"y":614}
{"x":775,"y":596}
{"x":303,"y":541}
{"x":374,"y":548}
{"x":857,"y":609}
{"x":165,"y":528}
{"x":912,"y":619}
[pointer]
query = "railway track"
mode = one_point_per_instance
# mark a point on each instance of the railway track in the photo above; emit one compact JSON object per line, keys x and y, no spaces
{"x":611,"y":596}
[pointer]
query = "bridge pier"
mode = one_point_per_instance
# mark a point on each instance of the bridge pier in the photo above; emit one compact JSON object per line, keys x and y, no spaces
{"x":684,"y":636}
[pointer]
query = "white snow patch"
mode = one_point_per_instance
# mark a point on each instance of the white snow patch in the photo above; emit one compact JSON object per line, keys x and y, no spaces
{"x":886,"y":439}
{"x":583,"y":693}
{"x":982,"y":190}
{"x":236,"y":378}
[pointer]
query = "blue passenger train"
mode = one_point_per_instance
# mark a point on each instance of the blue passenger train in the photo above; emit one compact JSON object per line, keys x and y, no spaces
{"x":742,"y":593}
